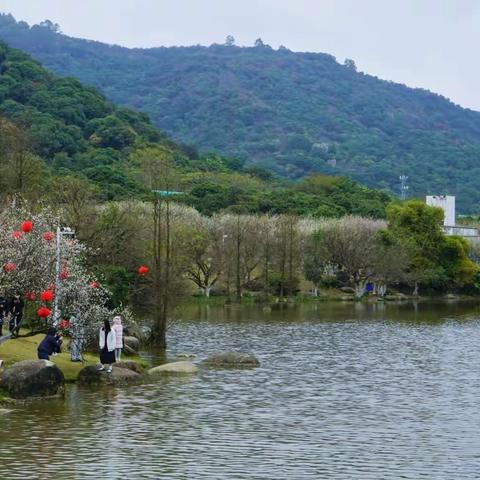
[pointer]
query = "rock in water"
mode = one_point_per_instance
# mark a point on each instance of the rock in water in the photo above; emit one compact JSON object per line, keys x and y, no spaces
{"x":33,"y":378}
{"x":186,"y":355}
{"x":119,"y":376}
{"x":174,"y":368}
{"x":130,"y":365}
{"x":232,"y":360}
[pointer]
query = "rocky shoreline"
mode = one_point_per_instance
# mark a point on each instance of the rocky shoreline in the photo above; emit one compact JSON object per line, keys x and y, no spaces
{"x":43,"y":379}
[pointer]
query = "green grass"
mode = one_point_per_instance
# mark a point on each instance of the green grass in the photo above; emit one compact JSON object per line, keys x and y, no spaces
{"x":25,"y":348}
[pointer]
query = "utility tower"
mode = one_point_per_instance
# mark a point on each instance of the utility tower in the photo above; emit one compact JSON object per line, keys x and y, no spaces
{"x":403,"y":186}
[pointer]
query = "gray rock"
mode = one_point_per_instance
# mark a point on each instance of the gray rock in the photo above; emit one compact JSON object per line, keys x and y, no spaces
{"x":132,"y":344}
{"x":185,"y":355}
{"x":175,"y":368}
{"x":130,"y":365}
{"x":142,"y":333}
{"x":232,"y":360}
{"x":119,"y":376}
{"x":32,"y":378}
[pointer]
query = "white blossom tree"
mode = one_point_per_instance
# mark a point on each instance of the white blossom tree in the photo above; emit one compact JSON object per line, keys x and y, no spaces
{"x":28,"y":267}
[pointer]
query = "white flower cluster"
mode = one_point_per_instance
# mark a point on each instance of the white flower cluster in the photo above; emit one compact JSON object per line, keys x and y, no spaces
{"x":28,"y":248}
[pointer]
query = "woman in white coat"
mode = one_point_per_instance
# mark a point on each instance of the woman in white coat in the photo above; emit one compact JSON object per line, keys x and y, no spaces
{"x":107,"y":343}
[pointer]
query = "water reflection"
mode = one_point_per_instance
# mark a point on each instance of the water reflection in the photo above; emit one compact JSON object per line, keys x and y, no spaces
{"x":345,"y":391}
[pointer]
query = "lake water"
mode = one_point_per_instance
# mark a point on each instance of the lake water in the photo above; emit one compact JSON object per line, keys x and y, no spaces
{"x":344,"y":391}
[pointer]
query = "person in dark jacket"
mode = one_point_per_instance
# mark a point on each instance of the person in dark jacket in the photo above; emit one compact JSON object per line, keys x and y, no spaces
{"x":3,"y":313}
{"x":50,"y":344}
{"x":16,"y":311}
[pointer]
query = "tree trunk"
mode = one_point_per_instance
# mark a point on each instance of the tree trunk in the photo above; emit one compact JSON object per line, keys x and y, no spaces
{"x":238,"y":278}
{"x":159,"y":321}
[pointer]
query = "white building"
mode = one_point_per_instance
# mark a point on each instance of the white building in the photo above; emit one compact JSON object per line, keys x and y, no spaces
{"x":447,"y":204}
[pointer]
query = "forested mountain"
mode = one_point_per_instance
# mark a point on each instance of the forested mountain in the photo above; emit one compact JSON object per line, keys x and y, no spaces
{"x":55,"y":132}
{"x":292,"y":112}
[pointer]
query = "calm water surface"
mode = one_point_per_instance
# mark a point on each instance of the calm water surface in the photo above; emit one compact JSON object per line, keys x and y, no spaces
{"x":344,"y":392}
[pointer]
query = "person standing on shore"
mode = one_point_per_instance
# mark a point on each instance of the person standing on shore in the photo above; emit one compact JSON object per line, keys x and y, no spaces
{"x":118,"y":329}
{"x":107,"y":343}
{"x":3,"y":313}
{"x":16,"y":312}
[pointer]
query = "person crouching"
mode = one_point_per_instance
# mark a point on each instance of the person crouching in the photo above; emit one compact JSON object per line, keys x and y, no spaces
{"x":49,"y":345}
{"x":107,"y":343}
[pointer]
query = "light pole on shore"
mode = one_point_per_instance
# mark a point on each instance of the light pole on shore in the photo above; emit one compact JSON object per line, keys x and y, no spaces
{"x":61,"y":232}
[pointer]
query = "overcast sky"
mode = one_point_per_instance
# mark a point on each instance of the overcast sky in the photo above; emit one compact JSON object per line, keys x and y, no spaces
{"x":422,"y":43}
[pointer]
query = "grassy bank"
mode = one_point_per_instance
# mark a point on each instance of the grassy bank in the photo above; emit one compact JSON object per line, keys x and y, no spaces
{"x":25,"y":348}
{"x":325,"y":295}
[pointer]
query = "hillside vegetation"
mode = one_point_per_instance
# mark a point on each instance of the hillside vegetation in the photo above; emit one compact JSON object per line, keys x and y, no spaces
{"x":58,"y":137}
{"x":292,"y":112}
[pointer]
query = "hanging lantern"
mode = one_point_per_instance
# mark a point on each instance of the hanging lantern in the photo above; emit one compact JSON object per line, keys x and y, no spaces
{"x":10,"y":267}
{"x":64,"y":274}
{"x":46,"y":296}
{"x":44,"y":312}
{"x":17,"y":234}
{"x":48,"y":236}
{"x":30,"y":296}
{"x":143,"y":270}
{"x":94,"y":284}
{"x":27,"y":226}
{"x":64,"y":324}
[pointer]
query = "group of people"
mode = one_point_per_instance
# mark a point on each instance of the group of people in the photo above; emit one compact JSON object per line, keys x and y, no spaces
{"x":110,"y":344}
{"x":11,"y":312}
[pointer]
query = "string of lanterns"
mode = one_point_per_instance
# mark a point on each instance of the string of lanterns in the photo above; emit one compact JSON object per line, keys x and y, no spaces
{"x":47,"y":296}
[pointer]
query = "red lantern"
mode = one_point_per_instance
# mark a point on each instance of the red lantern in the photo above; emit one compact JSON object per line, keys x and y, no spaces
{"x":44,"y":312}
{"x":143,"y":270}
{"x":17,"y":234}
{"x":27,"y":226}
{"x":48,"y":236}
{"x":64,"y":324}
{"x":46,"y":296}
{"x":10,"y":267}
{"x":94,"y":284}
{"x":30,"y":296}
{"x":64,"y":274}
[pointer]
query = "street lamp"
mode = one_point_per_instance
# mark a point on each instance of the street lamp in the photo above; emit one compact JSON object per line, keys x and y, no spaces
{"x":61,"y":232}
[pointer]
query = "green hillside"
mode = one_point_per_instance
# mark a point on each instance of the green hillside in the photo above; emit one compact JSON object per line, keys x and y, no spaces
{"x":54,"y":130}
{"x":292,"y":112}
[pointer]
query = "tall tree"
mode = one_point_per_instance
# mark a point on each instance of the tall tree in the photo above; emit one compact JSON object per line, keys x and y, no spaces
{"x":159,"y":177}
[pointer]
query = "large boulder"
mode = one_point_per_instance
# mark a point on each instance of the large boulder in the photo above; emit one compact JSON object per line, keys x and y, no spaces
{"x":32,"y":378}
{"x":174,"y":368}
{"x":119,"y":376}
{"x":143,"y":333}
{"x":130,"y":365}
{"x":232,"y":360}
{"x":131,"y":345}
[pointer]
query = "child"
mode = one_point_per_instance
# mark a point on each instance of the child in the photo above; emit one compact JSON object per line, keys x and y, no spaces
{"x":118,"y":328}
